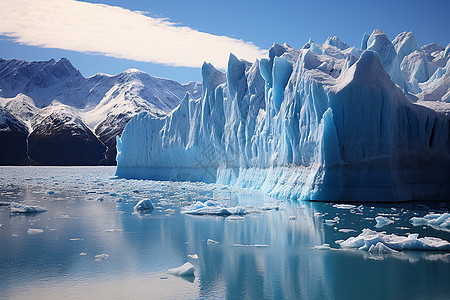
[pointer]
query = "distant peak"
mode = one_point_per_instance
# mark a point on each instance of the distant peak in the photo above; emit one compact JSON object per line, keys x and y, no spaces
{"x":133,"y":70}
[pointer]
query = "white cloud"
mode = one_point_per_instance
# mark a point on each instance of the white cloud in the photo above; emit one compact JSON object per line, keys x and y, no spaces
{"x":117,"y":32}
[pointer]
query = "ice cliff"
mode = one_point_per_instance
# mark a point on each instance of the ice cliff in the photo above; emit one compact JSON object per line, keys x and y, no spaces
{"x":325,"y":123}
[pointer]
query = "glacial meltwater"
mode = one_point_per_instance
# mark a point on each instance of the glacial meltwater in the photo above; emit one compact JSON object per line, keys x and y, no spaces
{"x":91,"y":244}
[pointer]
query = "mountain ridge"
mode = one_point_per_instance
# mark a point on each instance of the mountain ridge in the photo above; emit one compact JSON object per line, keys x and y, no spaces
{"x":31,"y":91}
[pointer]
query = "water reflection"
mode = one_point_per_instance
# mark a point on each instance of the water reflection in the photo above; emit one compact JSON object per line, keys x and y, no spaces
{"x":142,"y":247}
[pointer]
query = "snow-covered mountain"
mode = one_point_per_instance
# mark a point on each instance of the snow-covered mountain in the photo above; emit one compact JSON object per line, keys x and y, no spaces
{"x":13,"y":137}
{"x":47,"y":91}
{"x":327,"y":122}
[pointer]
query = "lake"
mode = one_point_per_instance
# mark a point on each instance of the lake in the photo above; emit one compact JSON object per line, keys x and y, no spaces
{"x":90,"y":244}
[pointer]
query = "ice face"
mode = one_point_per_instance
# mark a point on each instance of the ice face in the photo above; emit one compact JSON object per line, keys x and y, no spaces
{"x":322,"y":125}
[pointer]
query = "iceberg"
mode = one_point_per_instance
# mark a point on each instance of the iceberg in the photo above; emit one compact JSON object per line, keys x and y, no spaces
{"x":437,"y":221}
{"x":382,"y":221}
{"x":185,"y":270}
{"x":370,"y":239}
{"x":144,"y":205}
{"x":18,"y":208}
{"x":323,"y":123}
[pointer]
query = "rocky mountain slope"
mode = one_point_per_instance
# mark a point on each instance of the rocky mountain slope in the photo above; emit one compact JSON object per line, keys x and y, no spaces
{"x":73,"y":120}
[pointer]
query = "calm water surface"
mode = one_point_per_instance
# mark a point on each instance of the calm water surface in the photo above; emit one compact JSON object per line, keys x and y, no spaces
{"x":91,"y":213}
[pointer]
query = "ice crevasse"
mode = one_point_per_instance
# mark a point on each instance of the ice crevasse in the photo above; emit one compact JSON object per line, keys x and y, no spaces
{"x":324,"y":123}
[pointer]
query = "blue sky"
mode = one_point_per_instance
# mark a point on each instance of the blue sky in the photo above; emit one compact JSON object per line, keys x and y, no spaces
{"x":177,"y":43}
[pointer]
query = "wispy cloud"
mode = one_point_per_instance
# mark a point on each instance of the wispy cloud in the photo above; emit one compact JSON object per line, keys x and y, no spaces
{"x":117,"y":32}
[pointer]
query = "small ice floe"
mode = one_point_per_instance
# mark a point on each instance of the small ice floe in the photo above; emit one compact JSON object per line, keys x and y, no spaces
{"x":255,"y":245}
{"x":370,"y":237}
{"x":344,"y":206}
{"x":346,"y":230}
{"x":82,"y":253}
{"x":193,"y":256}
{"x":381,"y":248}
{"x":34,"y":231}
{"x":144,"y":205}
{"x":101,"y":257}
{"x":332,"y":222}
{"x":212,"y":242}
{"x":185,"y":270}
{"x":235,"y":218}
{"x":113,"y":229}
{"x":437,"y":221}
{"x":18,"y":208}
{"x":339,"y":241}
{"x":323,"y":247}
{"x":216,"y":208}
{"x":382,"y":221}
{"x":75,"y":239}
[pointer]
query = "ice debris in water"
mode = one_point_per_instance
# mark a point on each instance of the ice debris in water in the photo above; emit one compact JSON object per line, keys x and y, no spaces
{"x":335,"y":220}
{"x":211,"y":242}
{"x":437,"y":221}
{"x":323,"y":247}
{"x":235,"y":218}
{"x":215,"y":208}
{"x":144,"y":204}
{"x":370,"y":237}
{"x":344,"y":206}
{"x":82,"y":253}
{"x":34,"y":231}
{"x":382,"y":221}
{"x":193,"y":256}
{"x":185,"y":270}
{"x":101,"y":257}
{"x":18,"y":208}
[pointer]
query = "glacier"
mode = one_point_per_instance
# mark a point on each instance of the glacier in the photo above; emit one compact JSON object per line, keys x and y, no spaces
{"x":328,"y":122}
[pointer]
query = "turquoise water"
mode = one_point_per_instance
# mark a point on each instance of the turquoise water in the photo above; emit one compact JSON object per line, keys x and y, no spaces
{"x":89,"y":213}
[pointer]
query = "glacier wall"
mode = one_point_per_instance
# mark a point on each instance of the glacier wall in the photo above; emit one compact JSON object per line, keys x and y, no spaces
{"x":326,"y":123}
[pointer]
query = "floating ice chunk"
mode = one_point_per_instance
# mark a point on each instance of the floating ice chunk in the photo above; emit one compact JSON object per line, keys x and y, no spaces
{"x":369,"y":237}
{"x":344,"y":206}
{"x":185,"y":270}
{"x":18,"y":208}
{"x":345,"y":230}
{"x":215,"y":208}
{"x":193,"y":256}
{"x":339,"y":241}
{"x":212,"y":242}
{"x":255,"y":245}
{"x":235,"y":218}
{"x":437,"y":221}
{"x":382,"y":221}
{"x":101,"y":257}
{"x":34,"y":231}
{"x":323,"y":247}
{"x":335,"y":220}
{"x":113,"y":229}
{"x":82,"y":254}
{"x":75,"y":239}
{"x":144,"y":204}
{"x":381,"y":248}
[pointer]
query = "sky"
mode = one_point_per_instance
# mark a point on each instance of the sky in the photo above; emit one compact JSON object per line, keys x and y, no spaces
{"x":172,"y":39}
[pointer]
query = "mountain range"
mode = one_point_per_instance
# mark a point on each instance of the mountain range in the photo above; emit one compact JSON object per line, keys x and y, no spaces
{"x":51,"y":115}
